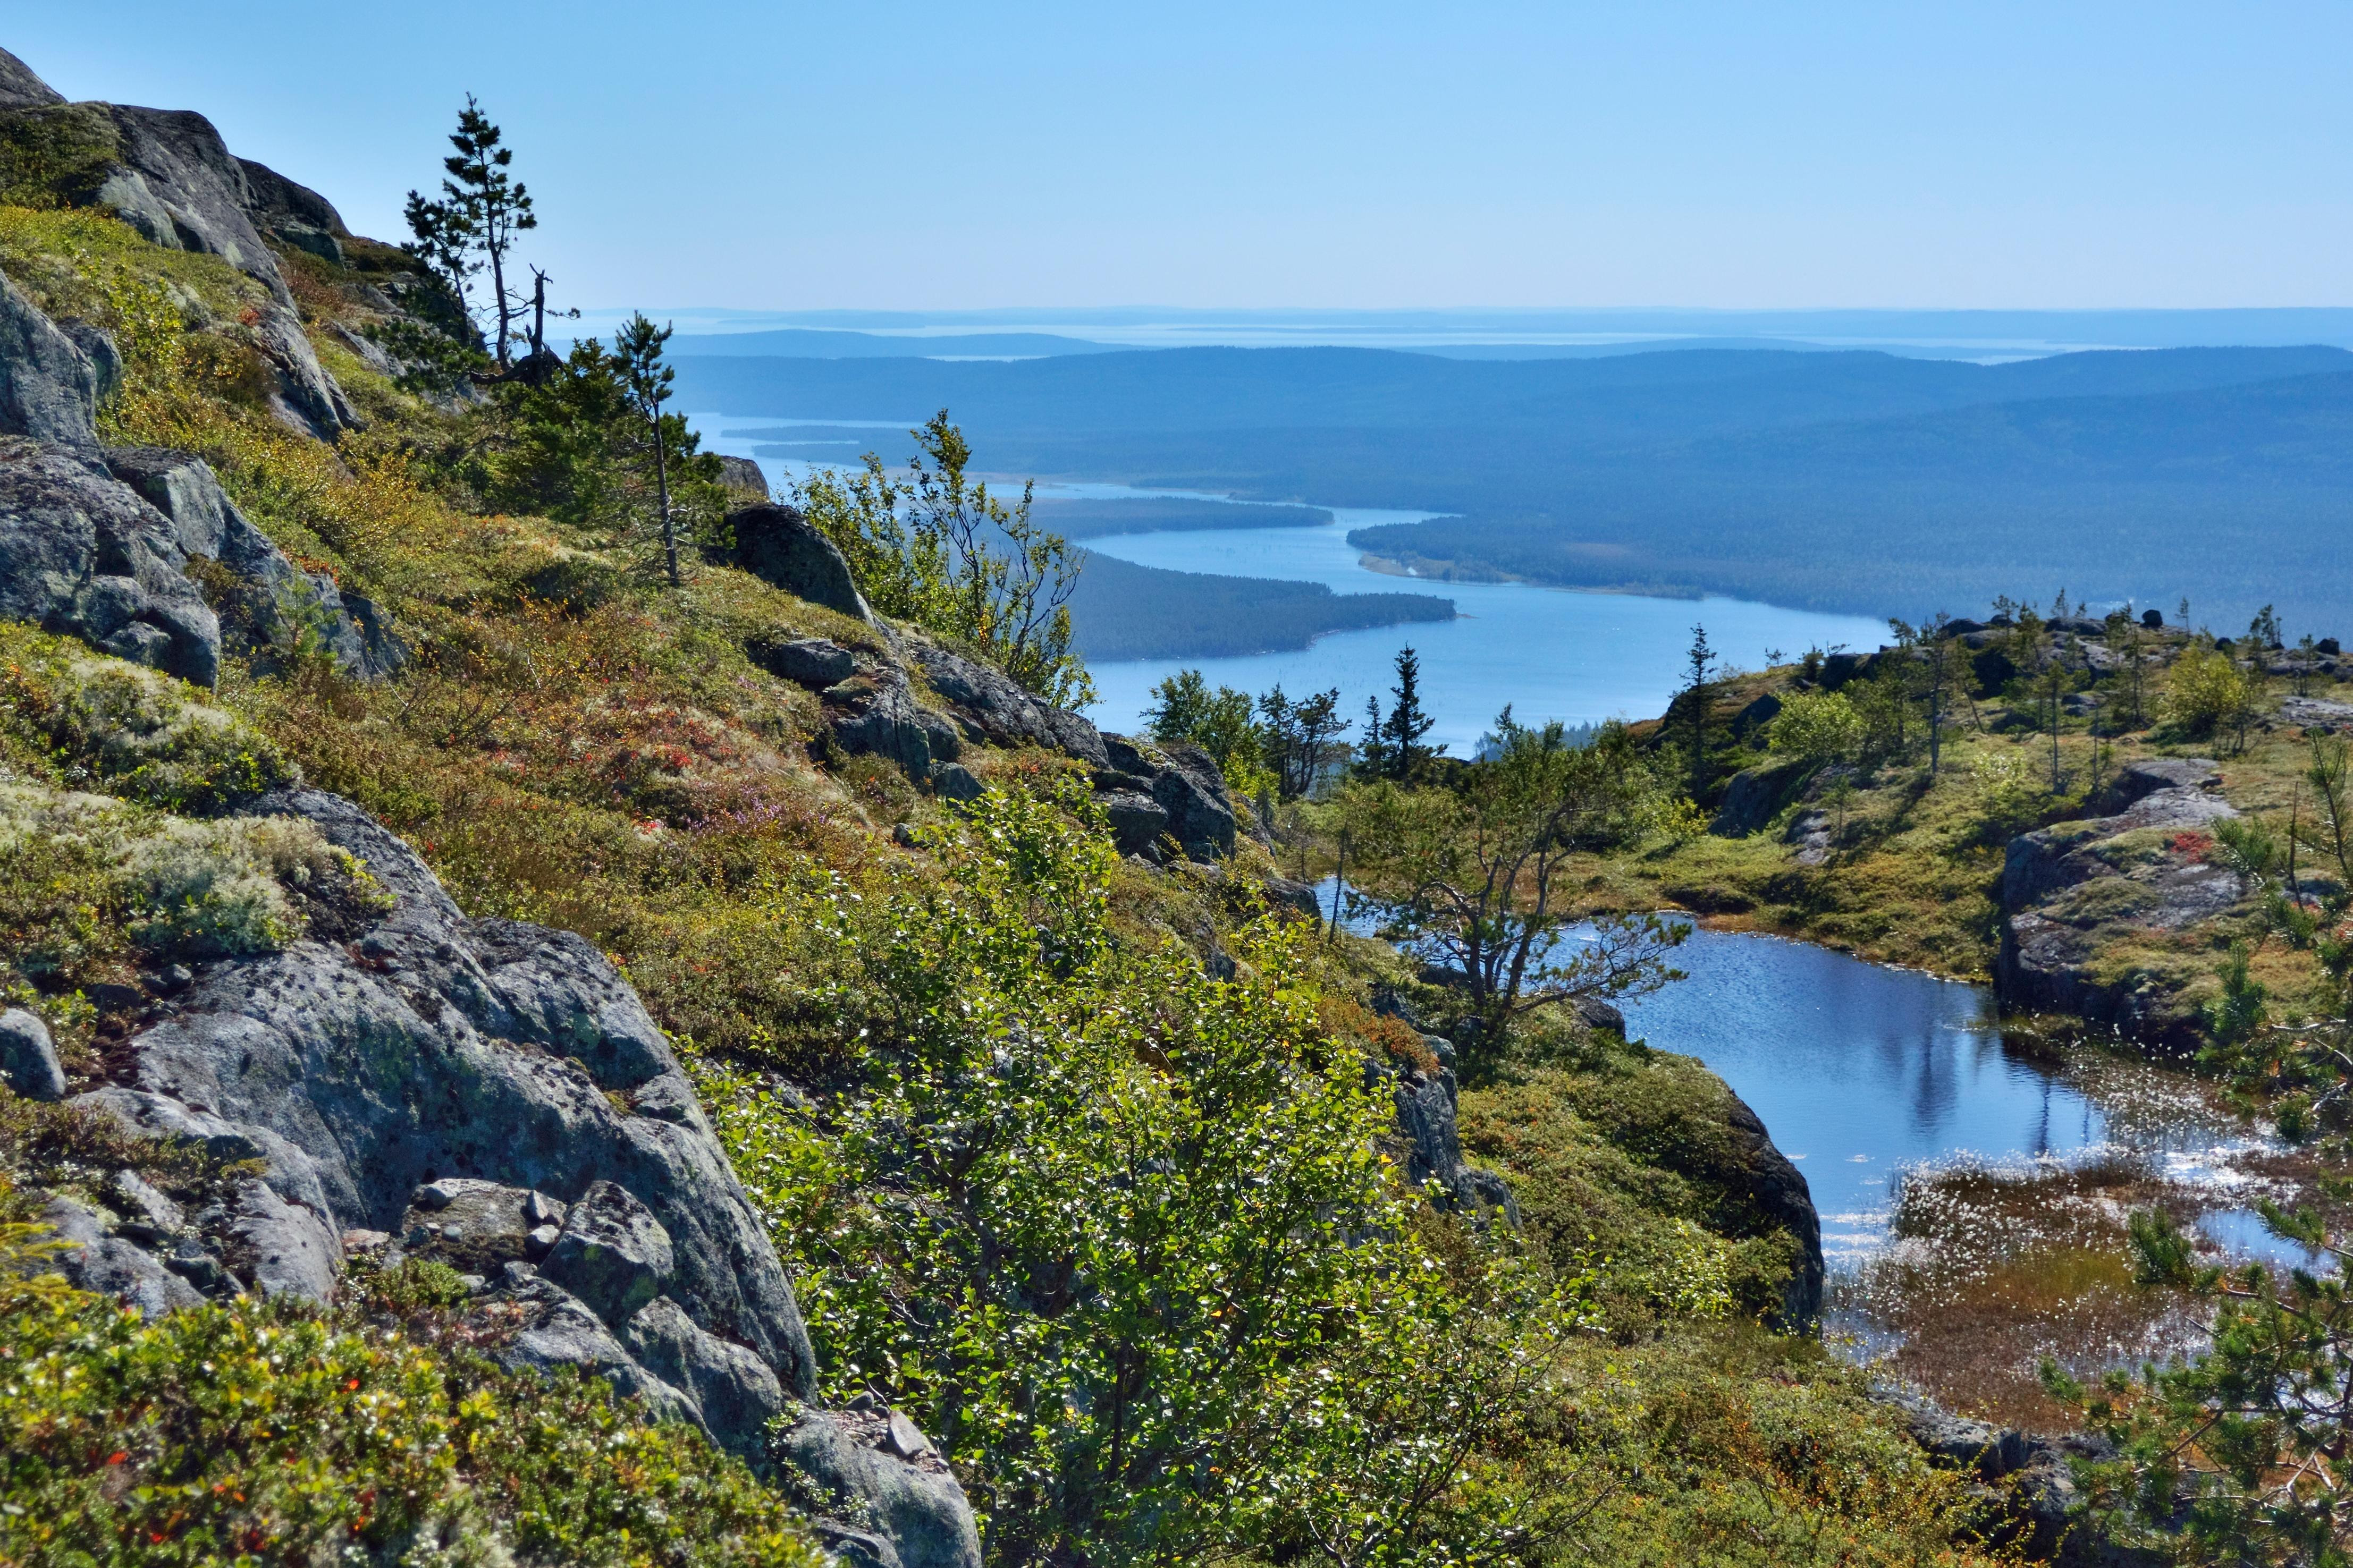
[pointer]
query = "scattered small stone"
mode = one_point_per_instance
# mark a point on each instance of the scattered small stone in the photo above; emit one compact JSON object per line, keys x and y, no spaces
{"x":904,"y":1438}
{"x":28,"y":1057}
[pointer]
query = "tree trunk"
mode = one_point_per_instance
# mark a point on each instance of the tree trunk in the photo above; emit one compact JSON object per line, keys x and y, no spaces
{"x":662,"y":487}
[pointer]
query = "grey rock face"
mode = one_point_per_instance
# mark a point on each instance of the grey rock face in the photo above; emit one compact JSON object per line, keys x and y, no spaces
{"x":611,"y":1253}
{"x":97,"y":345}
{"x":431,"y":1047}
{"x":175,"y":181}
{"x":293,"y":214}
{"x":1777,"y":1187}
{"x":733,"y":1392}
{"x":273,"y":602}
{"x":1180,"y":782}
{"x":914,"y":1501}
{"x":28,"y":1057}
{"x":813,"y":662}
{"x":1426,"y":1110}
{"x":778,"y":545}
{"x":875,"y":714}
{"x":2069,"y":890}
{"x":95,"y":1259}
{"x":954,"y":781}
{"x":1193,"y":791}
{"x":294,"y":1251}
{"x":179,"y":187}
{"x":83,"y":555}
{"x":476,"y":1227}
{"x":20,"y":88}
{"x":743,"y":474}
{"x":49,"y":388}
{"x":999,"y":711}
{"x":1755,"y":797}
{"x":2026,"y":1481}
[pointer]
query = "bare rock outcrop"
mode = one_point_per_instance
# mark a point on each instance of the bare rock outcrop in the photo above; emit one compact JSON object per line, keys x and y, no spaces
{"x":491,"y":1095}
{"x":168,"y":175}
{"x":2080,"y":894}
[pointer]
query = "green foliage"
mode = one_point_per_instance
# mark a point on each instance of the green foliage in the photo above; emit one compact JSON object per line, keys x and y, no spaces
{"x":1473,"y":874}
{"x":56,"y":156}
{"x":577,"y":445}
{"x":1183,"y":707}
{"x":2235,"y":1454}
{"x":257,"y":1433}
{"x":471,"y":226}
{"x":941,"y":551}
{"x":128,"y":731}
{"x":1818,"y":727}
{"x":2209,"y":696}
{"x":1117,"y":1230}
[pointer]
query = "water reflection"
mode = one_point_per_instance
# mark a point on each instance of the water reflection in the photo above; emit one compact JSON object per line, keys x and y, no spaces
{"x":1859,"y":1071}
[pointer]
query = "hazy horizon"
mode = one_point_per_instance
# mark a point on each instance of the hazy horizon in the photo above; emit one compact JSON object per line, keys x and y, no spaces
{"x":2099,"y":156}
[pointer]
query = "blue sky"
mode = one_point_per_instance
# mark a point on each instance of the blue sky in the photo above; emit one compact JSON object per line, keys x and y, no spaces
{"x":1360,"y":155}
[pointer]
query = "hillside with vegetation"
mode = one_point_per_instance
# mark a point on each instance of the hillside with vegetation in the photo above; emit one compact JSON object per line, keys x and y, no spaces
{"x":560,"y":1010}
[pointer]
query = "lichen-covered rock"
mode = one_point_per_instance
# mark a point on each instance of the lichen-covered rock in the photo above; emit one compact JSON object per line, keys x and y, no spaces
{"x":743,"y":474}
{"x":994,"y":708}
{"x":49,"y":387}
{"x":28,"y":1057}
{"x":478,"y":1227}
{"x":851,"y":1462}
{"x":611,"y":1253}
{"x":270,"y":602}
{"x":778,"y":544}
{"x":168,"y":175}
{"x":1427,"y":1104}
{"x":84,"y":555}
{"x":92,"y":1257}
{"x":430,"y":1046}
{"x":813,"y":662}
{"x":2076,"y":892}
{"x":1193,"y":791}
{"x":875,"y":714}
{"x":733,"y":1392}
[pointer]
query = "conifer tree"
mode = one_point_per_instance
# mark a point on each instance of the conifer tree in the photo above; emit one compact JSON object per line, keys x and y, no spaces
{"x":1700,"y":661}
{"x":472,"y":225}
{"x":1407,"y":723}
{"x":637,"y":349}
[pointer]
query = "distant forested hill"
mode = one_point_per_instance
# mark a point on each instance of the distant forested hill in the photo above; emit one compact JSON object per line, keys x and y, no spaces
{"x":1836,"y":480}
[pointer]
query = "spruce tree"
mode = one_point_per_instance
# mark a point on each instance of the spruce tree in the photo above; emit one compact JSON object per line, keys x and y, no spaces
{"x":1699,"y":662}
{"x":1408,"y":723}
{"x":1373,"y":750}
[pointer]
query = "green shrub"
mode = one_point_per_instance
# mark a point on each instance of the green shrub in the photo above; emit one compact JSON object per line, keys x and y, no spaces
{"x":210,"y":889}
{"x":130,"y":731}
{"x":261,"y":1432}
{"x":1119,"y":1232}
{"x":1818,"y":726}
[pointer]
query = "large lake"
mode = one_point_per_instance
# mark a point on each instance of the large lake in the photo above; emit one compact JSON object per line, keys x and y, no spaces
{"x":1551,"y":653}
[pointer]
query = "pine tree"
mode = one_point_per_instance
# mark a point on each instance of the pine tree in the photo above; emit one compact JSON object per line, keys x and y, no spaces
{"x":1372,"y":748}
{"x":473,"y":224}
